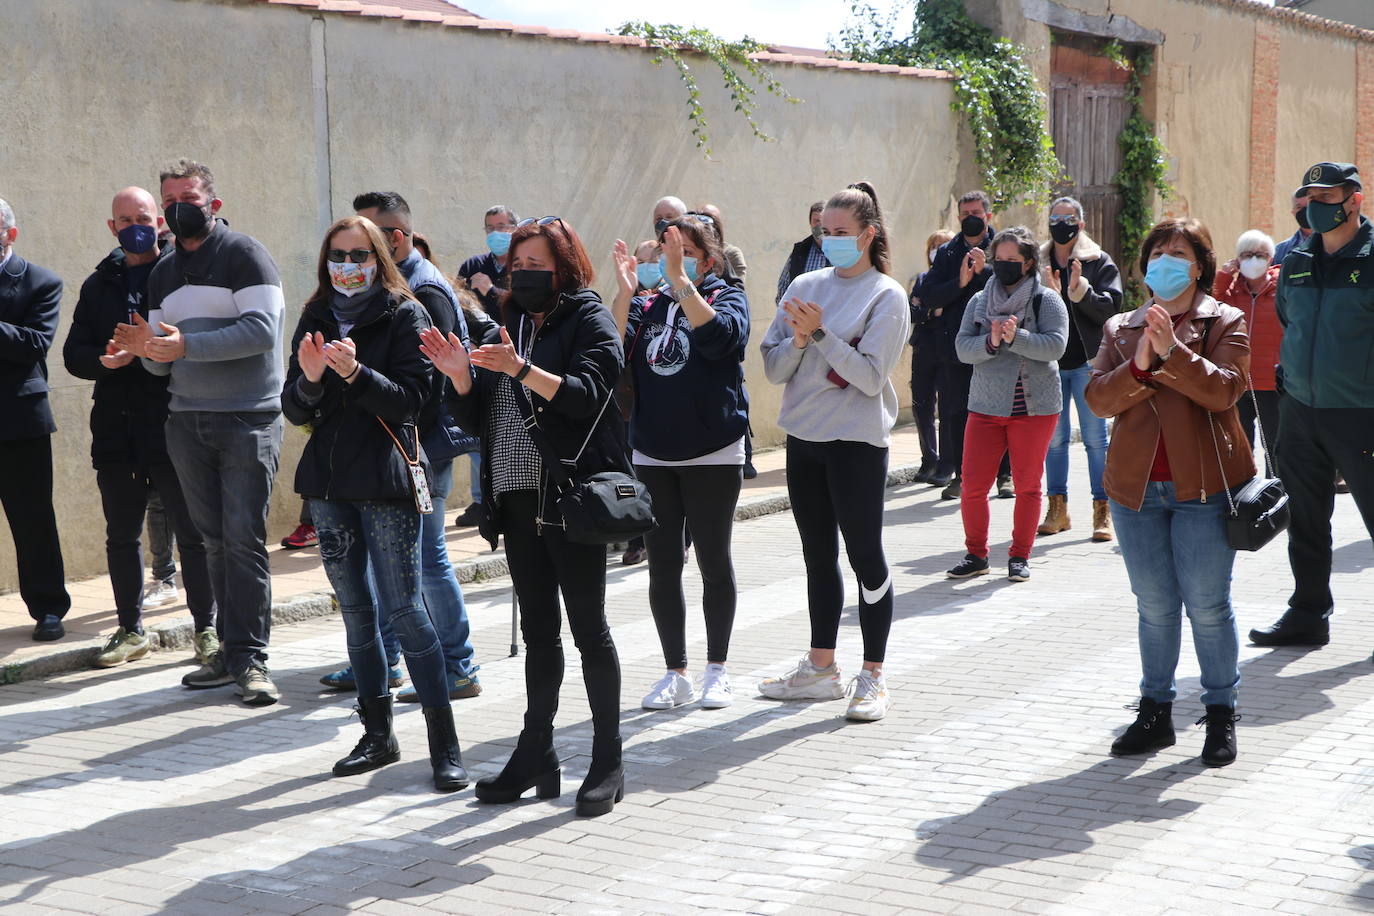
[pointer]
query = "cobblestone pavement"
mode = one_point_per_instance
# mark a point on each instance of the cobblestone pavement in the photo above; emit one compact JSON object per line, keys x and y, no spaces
{"x":987,"y":790}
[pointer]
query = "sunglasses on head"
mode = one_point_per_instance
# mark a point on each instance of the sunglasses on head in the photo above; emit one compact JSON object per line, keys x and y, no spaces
{"x":543,"y":221}
{"x":702,"y":217}
{"x":356,"y":255}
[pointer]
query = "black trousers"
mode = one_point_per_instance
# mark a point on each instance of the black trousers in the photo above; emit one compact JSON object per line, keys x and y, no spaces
{"x":837,"y":488}
{"x":1315,"y":444}
{"x":704,"y":497}
{"x":924,"y":391}
{"x":543,"y":564}
{"x":26,"y":495}
{"x":952,"y":381}
{"x":1268,"y":417}
{"x":124,"y":495}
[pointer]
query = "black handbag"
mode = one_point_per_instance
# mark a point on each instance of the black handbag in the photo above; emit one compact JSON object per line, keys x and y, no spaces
{"x":1259,"y":507}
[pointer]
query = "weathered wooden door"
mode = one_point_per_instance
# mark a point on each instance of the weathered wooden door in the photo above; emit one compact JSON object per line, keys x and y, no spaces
{"x":1088,"y":111}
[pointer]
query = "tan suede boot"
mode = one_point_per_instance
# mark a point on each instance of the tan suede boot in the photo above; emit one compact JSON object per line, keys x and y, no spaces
{"x":1056,"y":516}
{"x":1102,"y":520}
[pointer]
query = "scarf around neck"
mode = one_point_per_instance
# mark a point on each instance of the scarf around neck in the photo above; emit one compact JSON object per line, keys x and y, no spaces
{"x":1005,"y":303}
{"x":348,"y":309}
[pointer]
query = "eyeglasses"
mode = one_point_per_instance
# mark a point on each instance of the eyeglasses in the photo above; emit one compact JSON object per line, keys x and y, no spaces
{"x":356,"y":255}
{"x":543,"y":221}
{"x":1068,"y":220}
{"x":1253,"y":253}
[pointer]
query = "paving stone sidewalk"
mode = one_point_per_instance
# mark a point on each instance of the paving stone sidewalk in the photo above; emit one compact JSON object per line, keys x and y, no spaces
{"x":987,"y":790}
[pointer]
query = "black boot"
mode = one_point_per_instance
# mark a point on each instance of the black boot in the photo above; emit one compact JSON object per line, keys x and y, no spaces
{"x":534,"y":764}
{"x":378,"y":746}
{"x":605,"y":782}
{"x":1294,"y":628}
{"x":1152,"y":730}
{"x":444,"y":755}
{"x":1219,"y":747}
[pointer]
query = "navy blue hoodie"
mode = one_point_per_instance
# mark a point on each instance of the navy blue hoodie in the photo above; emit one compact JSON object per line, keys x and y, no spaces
{"x":689,"y":387}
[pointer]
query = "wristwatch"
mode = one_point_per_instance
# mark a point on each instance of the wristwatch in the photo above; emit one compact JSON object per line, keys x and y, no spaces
{"x":682,"y":292}
{"x":818,"y":334}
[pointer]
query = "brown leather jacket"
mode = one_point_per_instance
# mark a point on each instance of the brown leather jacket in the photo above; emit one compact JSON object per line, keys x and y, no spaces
{"x":1185,"y":391}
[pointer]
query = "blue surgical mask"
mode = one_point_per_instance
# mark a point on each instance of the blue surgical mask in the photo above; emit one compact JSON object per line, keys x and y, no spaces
{"x":650,"y":274}
{"x":841,"y":250}
{"x":688,"y":264}
{"x":1167,"y":276}
{"x":498,"y":243}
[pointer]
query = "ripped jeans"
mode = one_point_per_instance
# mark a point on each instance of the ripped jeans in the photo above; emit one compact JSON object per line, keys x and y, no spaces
{"x":388,"y":534}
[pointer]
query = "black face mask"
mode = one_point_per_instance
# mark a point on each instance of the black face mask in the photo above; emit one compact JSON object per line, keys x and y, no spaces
{"x":533,"y":290}
{"x":1301,"y":217}
{"x":973,"y":226}
{"x":1063,"y":233}
{"x":1008,"y":273}
{"x":187,"y":221}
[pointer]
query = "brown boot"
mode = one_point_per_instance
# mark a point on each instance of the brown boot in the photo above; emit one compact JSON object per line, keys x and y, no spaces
{"x":1056,"y":516}
{"x":1102,"y":520}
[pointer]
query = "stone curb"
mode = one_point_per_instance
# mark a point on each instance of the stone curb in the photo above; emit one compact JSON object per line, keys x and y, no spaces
{"x":179,"y":634}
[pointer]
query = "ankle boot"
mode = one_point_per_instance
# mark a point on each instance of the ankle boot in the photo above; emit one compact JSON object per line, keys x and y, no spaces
{"x":533,"y":764}
{"x":1102,"y":520}
{"x":1219,"y":747}
{"x":444,"y":755}
{"x":605,"y":782}
{"x":1152,"y":729}
{"x":378,"y":746}
{"x":1056,"y":515}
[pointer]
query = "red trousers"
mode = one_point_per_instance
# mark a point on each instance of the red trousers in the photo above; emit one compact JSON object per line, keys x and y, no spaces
{"x":986,"y":438}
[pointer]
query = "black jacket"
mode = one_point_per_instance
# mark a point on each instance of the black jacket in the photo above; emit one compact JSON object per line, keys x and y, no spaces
{"x":129,"y":404}
{"x":349,"y":454}
{"x":30,"y":297}
{"x":577,"y":341}
{"x":1100,"y":302}
{"x":940,"y":290}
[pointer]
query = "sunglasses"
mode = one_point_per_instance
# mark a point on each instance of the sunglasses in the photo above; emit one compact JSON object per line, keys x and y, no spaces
{"x":543,"y":221}
{"x":701,"y":217}
{"x":1064,"y":220}
{"x":356,"y":255}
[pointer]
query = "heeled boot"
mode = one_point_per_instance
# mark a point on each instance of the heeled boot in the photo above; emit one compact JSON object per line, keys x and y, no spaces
{"x":605,"y":782}
{"x":444,"y":755}
{"x":533,"y":765}
{"x":378,"y":746}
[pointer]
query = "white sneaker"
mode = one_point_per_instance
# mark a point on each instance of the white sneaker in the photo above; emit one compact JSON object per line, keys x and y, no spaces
{"x":716,"y":692}
{"x":804,"y":682}
{"x":160,"y":594}
{"x":868,"y":697}
{"x":671,"y":690}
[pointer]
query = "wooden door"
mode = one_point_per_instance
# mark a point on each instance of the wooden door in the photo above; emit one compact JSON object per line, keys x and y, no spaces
{"x":1088,"y":111}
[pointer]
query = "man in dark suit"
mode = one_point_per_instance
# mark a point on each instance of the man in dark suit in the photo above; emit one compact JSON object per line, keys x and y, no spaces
{"x":29,"y":299}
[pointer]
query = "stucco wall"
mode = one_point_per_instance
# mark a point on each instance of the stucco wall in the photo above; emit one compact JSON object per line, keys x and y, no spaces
{"x":101,"y":93}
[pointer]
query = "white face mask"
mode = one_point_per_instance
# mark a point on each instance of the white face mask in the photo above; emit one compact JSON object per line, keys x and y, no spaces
{"x":931,"y":254}
{"x":1253,"y":268}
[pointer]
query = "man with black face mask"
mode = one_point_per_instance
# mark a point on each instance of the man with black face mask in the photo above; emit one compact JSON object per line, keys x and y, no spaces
{"x":1326,"y":418}
{"x":214,"y":326}
{"x":1304,"y":229}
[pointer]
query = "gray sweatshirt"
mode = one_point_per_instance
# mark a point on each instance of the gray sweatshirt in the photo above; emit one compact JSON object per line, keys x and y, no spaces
{"x":1031,"y":356}
{"x":870,"y":307}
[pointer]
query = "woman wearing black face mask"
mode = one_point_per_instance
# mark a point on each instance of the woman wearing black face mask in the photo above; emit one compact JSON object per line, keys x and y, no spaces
{"x":557,"y":360}
{"x":1012,"y":333}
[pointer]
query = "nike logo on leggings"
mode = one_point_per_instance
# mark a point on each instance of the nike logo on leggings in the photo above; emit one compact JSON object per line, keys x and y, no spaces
{"x":873,"y":596}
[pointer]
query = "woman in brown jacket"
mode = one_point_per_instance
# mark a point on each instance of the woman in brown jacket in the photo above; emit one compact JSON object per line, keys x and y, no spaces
{"x":1170,"y":373}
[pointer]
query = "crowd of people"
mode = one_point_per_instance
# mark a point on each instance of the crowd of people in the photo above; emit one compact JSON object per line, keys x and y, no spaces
{"x":396,"y":370}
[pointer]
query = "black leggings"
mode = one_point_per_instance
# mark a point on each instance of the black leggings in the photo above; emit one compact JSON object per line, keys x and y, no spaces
{"x":705,"y":497}
{"x":837,"y":487}
{"x":542,"y":565}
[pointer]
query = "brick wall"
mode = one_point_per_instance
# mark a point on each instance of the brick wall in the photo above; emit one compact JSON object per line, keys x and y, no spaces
{"x":1264,"y":114}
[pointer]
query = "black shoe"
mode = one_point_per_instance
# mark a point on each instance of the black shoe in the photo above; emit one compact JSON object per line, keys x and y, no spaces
{"x":444,"y":754}
{"x":939,"y":478}
{"x":633,"y":556}
{"x":49,"y":629}
{"x":1004,"y":489}
{"x":1152,"y":729}
{"x":378,"y":746}
{"x":533,"y":765}
{"x":470,"y":517}
{"x":605,"y":782}
{"x":1219,"y":747}
{"x":925,"y":473}
{"x":750,"y":472}
{"x":954,"y":490}
{"x":969,"y":567}
{"x":1018,"y":569}
{"x":1294,"y":628}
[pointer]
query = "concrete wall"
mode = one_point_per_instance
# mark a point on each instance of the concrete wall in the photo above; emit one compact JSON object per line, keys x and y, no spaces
{"x":297,"y":111}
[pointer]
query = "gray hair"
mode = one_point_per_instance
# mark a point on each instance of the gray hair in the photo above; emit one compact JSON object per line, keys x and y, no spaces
{"x":6,"y":216}
{"x":674,"y":202}
{"x":1070,"y":201}
{"x":1253,"y":238}
{"x":500,"y":210}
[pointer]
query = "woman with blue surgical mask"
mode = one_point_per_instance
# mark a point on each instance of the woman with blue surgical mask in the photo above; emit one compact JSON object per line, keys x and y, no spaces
{"x":685,"y":332}
{"x":833,"y":345}
{"x":1170,"y":372}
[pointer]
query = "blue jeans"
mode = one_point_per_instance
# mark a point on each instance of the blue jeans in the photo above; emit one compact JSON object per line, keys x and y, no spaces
{"x":226,"y":463}
{"x":1177,"y":557}
{"x":385,"y":537}
{"x":475,"y":484}
{"x":1073,"y":383}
